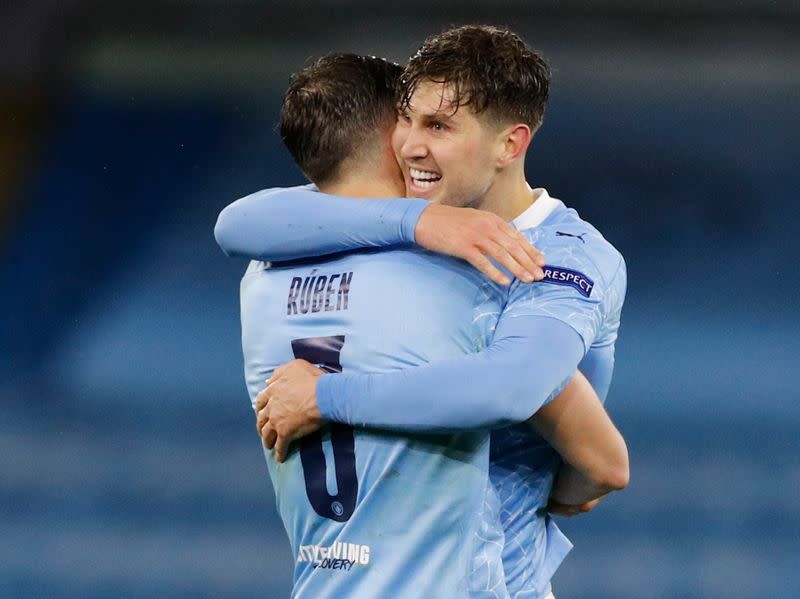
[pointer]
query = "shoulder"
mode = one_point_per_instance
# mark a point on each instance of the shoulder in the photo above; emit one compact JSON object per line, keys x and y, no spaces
{"x":569,"y":242}
{"x":255,"y":267}
{"x":263,"y":194}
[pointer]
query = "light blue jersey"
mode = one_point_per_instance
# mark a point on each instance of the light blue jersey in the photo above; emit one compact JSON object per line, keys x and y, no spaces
{"x":584,"y":287}
{"x":376,"y":514}
{"x":582,"y":296}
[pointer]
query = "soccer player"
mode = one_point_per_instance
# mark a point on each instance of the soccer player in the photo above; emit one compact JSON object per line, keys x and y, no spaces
{"x":574,"y":313}
{"x":372,"y":513}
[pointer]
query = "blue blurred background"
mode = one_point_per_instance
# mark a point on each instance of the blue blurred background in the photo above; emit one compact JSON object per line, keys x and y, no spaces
{"x":130,"y":467}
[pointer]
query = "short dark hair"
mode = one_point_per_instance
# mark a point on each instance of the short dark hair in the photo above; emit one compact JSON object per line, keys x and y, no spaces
{"x":335,"y":106}
{"x":488,"y":68}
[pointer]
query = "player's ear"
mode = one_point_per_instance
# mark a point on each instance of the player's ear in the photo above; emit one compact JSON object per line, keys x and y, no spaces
{"x":514,"y":141}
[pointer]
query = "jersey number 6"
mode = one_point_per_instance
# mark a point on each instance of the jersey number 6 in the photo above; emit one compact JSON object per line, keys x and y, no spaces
{"x":324,"y":352}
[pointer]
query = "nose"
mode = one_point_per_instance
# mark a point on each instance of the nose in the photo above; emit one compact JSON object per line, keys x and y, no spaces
{"x":414,"y":146}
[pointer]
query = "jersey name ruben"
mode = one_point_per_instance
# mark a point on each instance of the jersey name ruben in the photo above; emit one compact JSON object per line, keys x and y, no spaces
{"x":372,"y":513}
{"x":422,"y":536}
{"x":319,"y":293}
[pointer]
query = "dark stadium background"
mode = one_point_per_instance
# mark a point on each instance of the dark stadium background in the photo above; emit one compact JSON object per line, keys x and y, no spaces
{"x":129,"y":464}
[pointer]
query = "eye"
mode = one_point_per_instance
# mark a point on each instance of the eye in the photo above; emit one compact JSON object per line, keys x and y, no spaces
{"x":437,"y":126}
{"x":403,"y":117}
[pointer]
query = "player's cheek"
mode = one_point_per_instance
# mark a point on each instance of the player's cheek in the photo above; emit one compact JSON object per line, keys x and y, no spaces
{"x":399,"y":137}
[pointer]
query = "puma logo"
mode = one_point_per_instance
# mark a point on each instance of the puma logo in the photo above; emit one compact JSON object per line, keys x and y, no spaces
{"x":560,"y":234}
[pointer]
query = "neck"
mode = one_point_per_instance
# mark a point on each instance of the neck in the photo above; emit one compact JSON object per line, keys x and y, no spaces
{"x":359,"y":187}
{"x":377,"y":176}
{"x":509,"y":196}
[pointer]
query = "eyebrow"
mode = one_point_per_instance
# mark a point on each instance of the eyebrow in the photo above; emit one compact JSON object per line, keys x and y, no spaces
{"x":441,"y":116}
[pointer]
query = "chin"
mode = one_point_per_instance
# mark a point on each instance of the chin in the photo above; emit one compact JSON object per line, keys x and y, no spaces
{"x":445,"y":200}
{"x":440,"y":196}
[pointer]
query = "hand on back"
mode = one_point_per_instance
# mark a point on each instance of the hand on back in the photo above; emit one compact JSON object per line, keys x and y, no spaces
{"x":479,"y":237}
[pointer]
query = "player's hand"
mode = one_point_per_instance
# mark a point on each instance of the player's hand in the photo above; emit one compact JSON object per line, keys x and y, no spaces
{"x":287,"y":407}
{"x":476,"y":236}
{"x":562,"y":509}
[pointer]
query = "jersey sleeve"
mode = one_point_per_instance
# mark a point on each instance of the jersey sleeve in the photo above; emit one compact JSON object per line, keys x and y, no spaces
{"x":299,"y":222}
{"x":528,"y":362}
{"x":583,"y":287}
{"x":545,"y":330}
{"x":598,"y":368}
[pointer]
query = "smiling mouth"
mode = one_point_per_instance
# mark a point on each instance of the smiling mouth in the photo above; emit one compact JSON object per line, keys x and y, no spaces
{"x":423,"y":179}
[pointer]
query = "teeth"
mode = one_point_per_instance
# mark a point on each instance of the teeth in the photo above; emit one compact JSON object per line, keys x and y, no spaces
{"x":419,"y":175}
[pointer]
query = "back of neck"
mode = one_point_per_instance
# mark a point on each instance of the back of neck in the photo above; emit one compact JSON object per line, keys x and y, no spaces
{"x":359,"y":187}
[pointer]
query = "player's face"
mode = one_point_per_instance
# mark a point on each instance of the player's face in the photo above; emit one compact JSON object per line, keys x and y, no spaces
{"x":396,"y":178}
{"x":446,"y":155}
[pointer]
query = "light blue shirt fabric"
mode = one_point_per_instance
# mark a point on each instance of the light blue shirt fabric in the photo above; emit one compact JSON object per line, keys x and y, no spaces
{"x":244,"y":228}
{"x":372,"y":514}
{"x":544,"y":331}
{"x":523,"y":465}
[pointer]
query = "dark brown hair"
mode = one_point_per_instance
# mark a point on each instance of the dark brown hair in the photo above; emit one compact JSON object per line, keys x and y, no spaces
{"x":487,"y":68}
{"x":334,"y":107}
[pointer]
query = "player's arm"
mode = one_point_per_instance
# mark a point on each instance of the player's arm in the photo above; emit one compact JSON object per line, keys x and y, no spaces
{"x":595,"y":456}
{"x":285,"y":224}
{"x":540,"y":338}
{"x":598,"y":367}
{"x":529,"y":360}
{"x":545,"y":330}
{"x":298,"y":222}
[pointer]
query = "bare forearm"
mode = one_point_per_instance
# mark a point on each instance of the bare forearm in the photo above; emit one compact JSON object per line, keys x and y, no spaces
{"x":595,"y":454}
{"x":571,"y":487}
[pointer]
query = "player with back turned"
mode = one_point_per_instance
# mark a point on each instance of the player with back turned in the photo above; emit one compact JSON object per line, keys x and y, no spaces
{"x":357,"y":504}
{"x":582,"y":293}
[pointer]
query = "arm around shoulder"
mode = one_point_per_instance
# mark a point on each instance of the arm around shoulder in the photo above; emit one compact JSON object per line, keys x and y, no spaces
{"x":286,"y":224}
{"x":506,"y":383}
{"x":577,"y":426}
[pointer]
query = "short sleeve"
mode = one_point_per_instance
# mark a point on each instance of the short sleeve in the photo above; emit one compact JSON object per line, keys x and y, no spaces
{"x":582,"y":280}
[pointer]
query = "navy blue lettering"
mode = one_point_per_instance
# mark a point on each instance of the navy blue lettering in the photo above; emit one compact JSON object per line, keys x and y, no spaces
{"x":344,"y":290}
{"x":335,"y":564}
{"x":291,"y":303}
{"x":329,"y":292}
{"x":305,"y":294}
{"x":569,"y":277}
{"x":316,"y":304}
{"x":315,"y":293}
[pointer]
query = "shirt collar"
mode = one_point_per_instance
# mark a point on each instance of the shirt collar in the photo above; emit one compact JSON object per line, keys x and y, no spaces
{"x":543,"y":205}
